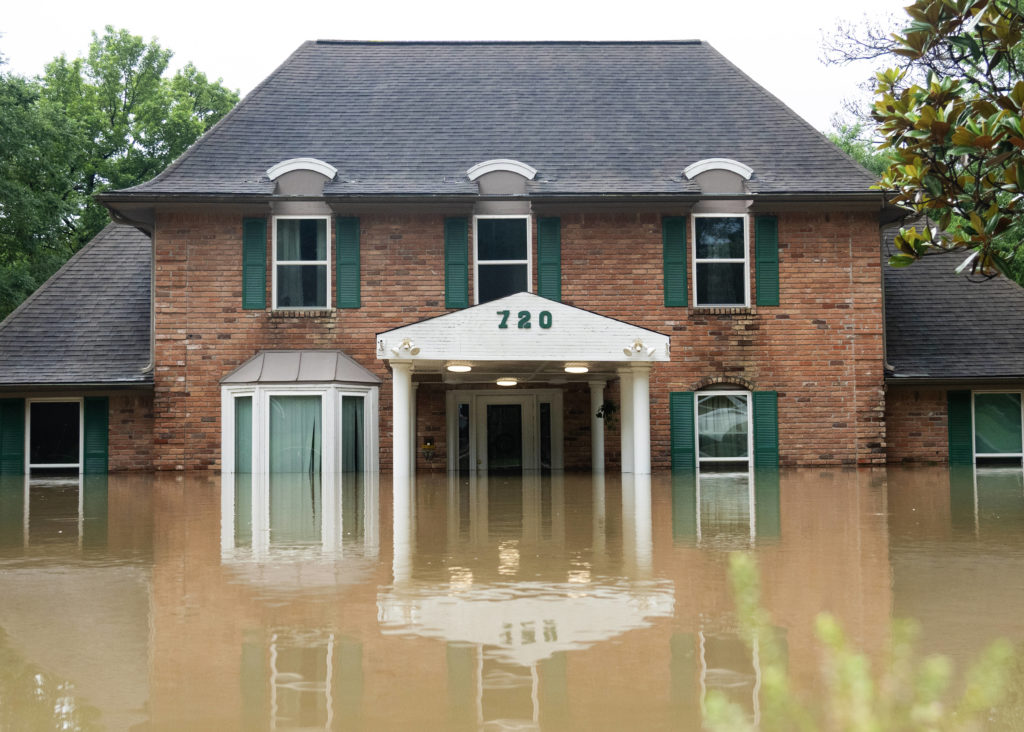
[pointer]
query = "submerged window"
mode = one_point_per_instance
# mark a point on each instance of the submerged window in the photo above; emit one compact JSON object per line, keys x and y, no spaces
{"x":307,"y":430}
{"x":720,"y":257}
{"x":723,"y":430}
{"x":301,"y":262}
{"x":997,"y":425}
{"x":502,"y":256}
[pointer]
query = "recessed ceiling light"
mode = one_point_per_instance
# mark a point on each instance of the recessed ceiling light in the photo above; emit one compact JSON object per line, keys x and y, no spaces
{"x":507,"y":381}
{"x":458,"y":367}
{"x":576,"y":368}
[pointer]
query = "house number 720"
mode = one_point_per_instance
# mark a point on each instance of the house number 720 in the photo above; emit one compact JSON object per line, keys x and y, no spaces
{"x":543,"y":318}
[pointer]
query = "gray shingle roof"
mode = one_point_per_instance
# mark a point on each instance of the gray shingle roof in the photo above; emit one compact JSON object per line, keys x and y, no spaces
{"x":89,"y":324}
{"x":944,"y":326}
{"x":593,"y":118}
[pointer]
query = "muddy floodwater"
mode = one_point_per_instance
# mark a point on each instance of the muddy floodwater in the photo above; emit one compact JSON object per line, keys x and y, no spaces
{"x":193,"y":602}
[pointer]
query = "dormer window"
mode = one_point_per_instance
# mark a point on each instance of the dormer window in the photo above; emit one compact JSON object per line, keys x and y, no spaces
{"x":502,"y":256}
{"x":301,"y":262}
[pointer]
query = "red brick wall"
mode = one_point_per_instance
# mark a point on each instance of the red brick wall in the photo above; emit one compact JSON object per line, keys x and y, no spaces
{"x":821,"y":350}
{"x":916,"y":424}
{"x":130,"y":445}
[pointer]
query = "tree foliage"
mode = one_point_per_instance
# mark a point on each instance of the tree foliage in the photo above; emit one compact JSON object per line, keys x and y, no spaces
{"x":952,"y":120}
{"x":110,"y":120}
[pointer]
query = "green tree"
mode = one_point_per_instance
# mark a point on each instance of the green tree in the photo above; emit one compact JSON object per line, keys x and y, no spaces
{"x":852,"y":139}
{"x":952,"y":120}
{"x":112,"y":119}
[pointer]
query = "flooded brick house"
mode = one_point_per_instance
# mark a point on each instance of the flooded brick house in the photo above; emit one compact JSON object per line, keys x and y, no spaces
{"x":501,"y":256}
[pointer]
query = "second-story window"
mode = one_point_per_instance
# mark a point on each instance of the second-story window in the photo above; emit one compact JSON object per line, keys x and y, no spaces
{"x":502,"y":246}
{"x":721,"y":273}
{"x":301,"y":262}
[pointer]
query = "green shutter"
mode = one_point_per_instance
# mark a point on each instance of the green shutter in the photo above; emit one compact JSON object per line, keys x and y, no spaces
{"x":766,"y":429}
{"x":347,"y":262}
{"x":553,"y":701}
{"x":12,"y":436}
{"x":456,"y":263}
{"x":961,"y":439}
{"x":673,"y":247}
{"x":254,"y":264}
{"x":549,"y":258}
{"x":766,"y":259}
{"x":96,"y":431}
{"x":682,"y":439}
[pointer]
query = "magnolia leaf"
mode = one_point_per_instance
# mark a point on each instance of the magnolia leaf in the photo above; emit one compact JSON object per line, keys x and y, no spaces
{"x":901,"y":260}
{"x":967,"y":263}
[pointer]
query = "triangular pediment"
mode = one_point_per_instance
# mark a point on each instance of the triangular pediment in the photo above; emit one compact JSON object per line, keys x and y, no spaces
{"x":523,"y":327}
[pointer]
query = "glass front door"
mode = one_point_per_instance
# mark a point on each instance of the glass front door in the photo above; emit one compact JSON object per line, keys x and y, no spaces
{"x":505,"y":438}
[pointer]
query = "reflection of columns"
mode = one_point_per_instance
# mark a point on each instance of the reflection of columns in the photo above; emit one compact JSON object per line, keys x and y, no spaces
{"x":641,"y":418}
{"x":401,"y":527}
{"x":637,"y":543}
{"x":626,"y":413}
{"x":599,"y":513}
{"x":401,"y":430}
{"x":596,"y":427}
{"x":642,"y":517}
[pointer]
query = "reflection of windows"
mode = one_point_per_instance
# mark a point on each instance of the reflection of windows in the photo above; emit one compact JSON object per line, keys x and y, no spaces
{"x":997,"y":425}
{"x":728,"y":666}
{"x":502,"y":256}
{"x":301,"y":262}
{"x":720,"y":262}
{"x":726,"y":517}
{"x":723,"y":429}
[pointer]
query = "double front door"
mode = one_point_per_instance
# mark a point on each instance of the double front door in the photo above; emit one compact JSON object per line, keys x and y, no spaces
{"x":506,"y":433}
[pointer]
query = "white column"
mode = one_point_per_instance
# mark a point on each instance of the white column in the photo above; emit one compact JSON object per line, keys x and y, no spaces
{"x":626,"y":414}
{"x":641,"y":418}
{"x":401,"y":394}
{"x":413,"y":447}
{"x":596,"y":427}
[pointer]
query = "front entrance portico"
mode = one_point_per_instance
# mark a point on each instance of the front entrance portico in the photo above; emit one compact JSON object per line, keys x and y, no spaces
{"x":516,"y":351}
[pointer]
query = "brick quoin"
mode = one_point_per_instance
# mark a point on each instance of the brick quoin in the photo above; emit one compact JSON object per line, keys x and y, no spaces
{"x":821,"y":350}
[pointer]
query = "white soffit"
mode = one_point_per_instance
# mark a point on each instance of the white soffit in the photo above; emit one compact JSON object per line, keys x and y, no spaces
{"x":733,"y":166}
{"x":475,"y":334}
{"x":312,"y":164}
{"x":503,"y":164}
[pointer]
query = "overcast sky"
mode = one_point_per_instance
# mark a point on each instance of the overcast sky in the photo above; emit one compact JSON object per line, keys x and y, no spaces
{"x":776,"y":43}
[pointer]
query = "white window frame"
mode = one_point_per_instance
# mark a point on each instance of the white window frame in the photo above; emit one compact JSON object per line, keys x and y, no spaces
{"x":80,"y":465}
{"x":749,"y":460}
{"x":974,"y":435}
{"x":476,"y":252}
{"x":330,"y":419}
{"x":745,"y":261}
{"x":326,"y":263}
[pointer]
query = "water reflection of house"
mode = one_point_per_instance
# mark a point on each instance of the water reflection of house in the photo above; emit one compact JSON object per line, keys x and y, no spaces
{"x":319,"y":603}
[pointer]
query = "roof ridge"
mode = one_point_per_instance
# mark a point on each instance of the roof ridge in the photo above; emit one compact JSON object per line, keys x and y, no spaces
{"x":440,"y":42}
